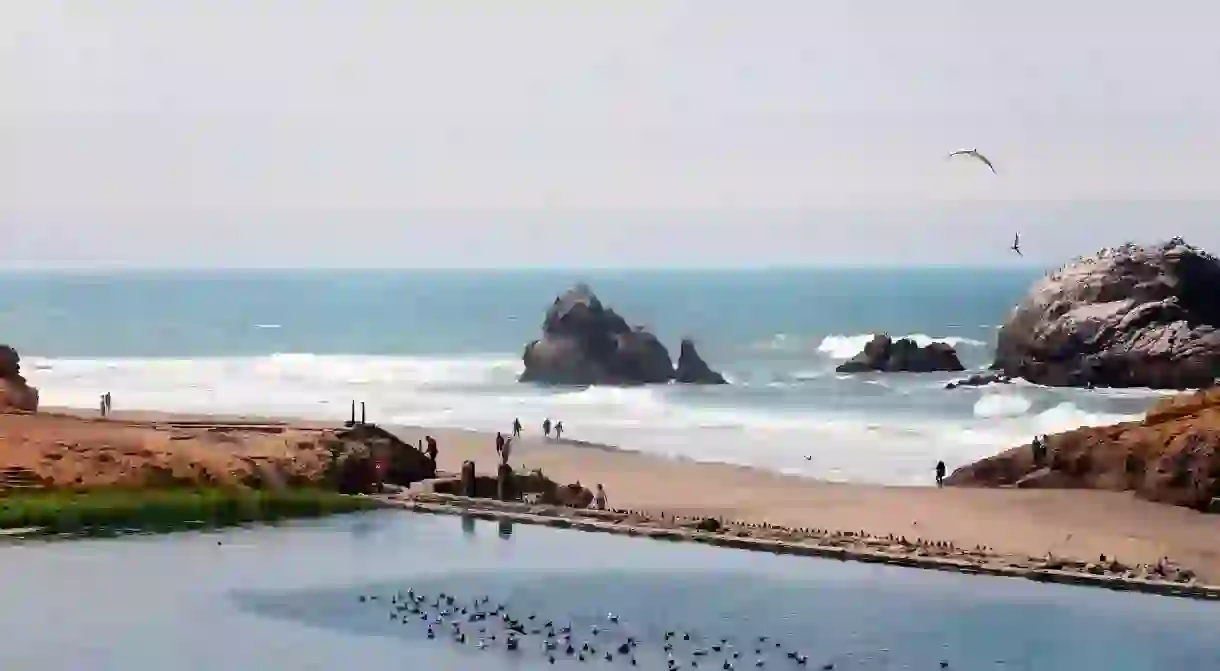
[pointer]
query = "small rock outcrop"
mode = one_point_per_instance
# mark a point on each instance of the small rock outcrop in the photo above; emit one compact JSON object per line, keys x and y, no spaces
{"x":15,"y":393}
{"x":692,"y":369}
{"x":585,"y":343}
{"x":1130,"y":316}
{"x":1172,"y":456}
{"x":979,"y":380}
{"x":886,"y":355}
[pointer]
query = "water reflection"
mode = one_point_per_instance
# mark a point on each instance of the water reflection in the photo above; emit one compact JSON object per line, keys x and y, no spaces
{"x":291,"y":597}
{"x":506,"y":529}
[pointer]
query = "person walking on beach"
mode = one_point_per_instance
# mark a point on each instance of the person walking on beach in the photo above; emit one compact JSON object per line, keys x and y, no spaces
{"x":517,"y":427}
{"x":546,"y":427}
{"x":558,"y":430}
{"x":107,"y":400}
{"x":506,"y":450}
{"x":940,"y":474}
{"x":599,"y":498}
{"x":499,"y":442}
{"x":101,"y":405}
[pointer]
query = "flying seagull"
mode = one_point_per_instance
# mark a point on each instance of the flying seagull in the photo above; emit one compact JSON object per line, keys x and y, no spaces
{"x":974,"y":153}
{"x":1016,"y":244}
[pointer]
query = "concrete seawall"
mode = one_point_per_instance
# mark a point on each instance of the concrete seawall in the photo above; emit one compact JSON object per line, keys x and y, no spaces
{"x":604,"y":523}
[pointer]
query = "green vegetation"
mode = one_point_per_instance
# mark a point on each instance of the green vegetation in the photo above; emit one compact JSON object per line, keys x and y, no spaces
{"x":111,"y":510}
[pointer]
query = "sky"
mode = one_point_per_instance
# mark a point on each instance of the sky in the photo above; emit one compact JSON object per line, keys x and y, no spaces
{"x":601,"y":133}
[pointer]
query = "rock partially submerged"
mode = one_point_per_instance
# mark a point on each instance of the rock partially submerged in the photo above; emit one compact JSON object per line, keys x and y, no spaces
{"x":886,"y":355}
{"x":1172,"y":456}
{"x":979,"y":380}
{"x":584,"y":343}
{"x":15,"y":392}
{"x":692,"y":369}
{"x":1130,"y":316}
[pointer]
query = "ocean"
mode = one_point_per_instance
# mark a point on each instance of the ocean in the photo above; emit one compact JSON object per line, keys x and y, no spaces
{"x":288,"y":597}
{"x":443,"y":348}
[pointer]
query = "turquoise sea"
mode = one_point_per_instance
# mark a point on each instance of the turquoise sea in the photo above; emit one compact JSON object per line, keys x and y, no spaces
{"x":443,"y":348}
{"x":289,"y":598}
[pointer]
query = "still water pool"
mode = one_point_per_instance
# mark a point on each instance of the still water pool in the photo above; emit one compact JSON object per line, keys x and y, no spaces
{"x":289,"y":597}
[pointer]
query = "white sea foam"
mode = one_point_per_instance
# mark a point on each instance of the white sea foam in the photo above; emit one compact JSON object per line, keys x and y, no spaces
{"x":885,"y":442}
{"x":847,"y":346}
{"x":1002,"y":405}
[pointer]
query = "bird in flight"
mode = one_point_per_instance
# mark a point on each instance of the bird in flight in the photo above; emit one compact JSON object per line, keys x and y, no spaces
{"x":975,"y":154}
{"x":1016,"y":244}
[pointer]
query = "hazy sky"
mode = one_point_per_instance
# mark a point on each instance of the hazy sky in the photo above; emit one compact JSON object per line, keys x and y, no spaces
{"x":623,"y":132}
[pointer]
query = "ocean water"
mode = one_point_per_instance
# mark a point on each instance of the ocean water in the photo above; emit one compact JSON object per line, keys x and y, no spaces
{"x":443,"y":348}
{"x":288,"y":598}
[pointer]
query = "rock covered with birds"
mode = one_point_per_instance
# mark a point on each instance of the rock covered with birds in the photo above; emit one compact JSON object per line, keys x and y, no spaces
{"x":1129,"y":316}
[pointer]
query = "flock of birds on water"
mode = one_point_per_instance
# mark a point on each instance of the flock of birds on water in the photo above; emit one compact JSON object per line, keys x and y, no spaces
{"x":480,"y":625}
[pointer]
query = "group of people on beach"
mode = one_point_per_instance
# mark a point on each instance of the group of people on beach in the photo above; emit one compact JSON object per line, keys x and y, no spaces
{"x":1040,"y":446}
{"x":104,"y":404}
{"x":504,"y":444}
{"x":547,"y":428}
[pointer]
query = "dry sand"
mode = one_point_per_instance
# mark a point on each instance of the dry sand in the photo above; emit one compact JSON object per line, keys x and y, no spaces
{"x":1075,"y":524}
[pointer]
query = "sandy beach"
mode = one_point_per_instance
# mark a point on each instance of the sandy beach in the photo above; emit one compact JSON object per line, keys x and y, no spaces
{"x":1070,"y":524}
{"x":1079,"y":524}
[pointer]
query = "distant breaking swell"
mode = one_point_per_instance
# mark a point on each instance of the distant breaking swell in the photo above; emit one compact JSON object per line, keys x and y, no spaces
{"x":747,"y":424}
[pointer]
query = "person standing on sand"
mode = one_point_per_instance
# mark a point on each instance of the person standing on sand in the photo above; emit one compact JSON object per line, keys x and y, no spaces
{"x":101,"y":405}
{"x":432,"y":451}
{"x":499,"y":442}
{"x":506,"y":451}
{"x":109,"y":406}
{"x":517,"y":427}
{"x":940,"y":474}
{"x":546,"y":427}
{"x":558,"y":430}
{"x":599,"y":498}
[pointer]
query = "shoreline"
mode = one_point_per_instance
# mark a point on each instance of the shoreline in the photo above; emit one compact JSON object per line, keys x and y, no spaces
{"x":1080,"y":525}
{"x":805,"y":543}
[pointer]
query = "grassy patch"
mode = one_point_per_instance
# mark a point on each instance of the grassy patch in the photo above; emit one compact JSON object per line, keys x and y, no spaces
{"x":168,"y":509}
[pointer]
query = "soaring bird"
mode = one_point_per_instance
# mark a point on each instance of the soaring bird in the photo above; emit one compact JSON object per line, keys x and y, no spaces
{"x":1016,"y":244}
{"x":975,"y":154}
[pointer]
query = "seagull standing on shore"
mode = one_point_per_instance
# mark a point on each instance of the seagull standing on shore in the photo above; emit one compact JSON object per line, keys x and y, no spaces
{"x":974,"y":153}
{"x":1016,"y":244}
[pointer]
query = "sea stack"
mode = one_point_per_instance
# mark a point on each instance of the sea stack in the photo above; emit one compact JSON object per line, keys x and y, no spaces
{"x":886,"y":355}
{"x":585,"y":343}
{"x":1129,"y":316}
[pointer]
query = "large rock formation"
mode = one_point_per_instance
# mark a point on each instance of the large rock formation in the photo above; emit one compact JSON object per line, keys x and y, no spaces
{"x":15,"y":393}
{"x":1129,"y":316}
{"x":692,"y":369}
{"x":1172,"y":455}
{"x":584,"y":342}
{"x":886,"y":355}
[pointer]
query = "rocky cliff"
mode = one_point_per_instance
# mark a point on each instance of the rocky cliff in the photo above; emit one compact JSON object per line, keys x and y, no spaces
{"x":15,"y":393}
{"x":1172,"y":455}
{"x":1130,"y":316}
{"x":584,"y":342}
